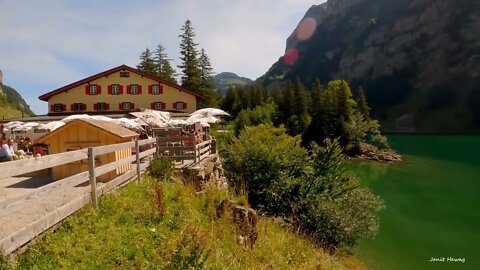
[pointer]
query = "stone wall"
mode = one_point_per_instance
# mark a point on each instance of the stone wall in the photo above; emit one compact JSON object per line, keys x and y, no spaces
{"x":208,"y":173}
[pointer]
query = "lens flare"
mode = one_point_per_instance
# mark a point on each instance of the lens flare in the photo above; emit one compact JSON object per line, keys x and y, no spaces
{"x":306,"y":28}
{"x":290,"y":56}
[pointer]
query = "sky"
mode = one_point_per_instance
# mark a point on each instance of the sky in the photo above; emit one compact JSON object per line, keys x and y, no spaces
{"x":46,"y":44}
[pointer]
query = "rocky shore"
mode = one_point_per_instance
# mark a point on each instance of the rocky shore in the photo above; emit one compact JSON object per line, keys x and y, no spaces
{"x":370,"y":152}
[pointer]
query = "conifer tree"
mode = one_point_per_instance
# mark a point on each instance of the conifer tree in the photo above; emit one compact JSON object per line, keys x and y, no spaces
{"x":191,"y":74}
{"x":147,"y":63}
{"x":300,"y":110}
{"x":207,"y":87}
{"x":163,"y":68}
{"x":362,"y":104}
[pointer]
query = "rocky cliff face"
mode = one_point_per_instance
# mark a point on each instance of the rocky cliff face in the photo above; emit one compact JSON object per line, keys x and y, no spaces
{"x":419,"y":60}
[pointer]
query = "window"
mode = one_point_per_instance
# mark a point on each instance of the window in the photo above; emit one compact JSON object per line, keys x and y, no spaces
{"x":58,"y":107}
{"x":93,"y":89}
{"x":156,"y":89}
{"x":115,"y":89}
{"x":124,"y":74}
{"x":126,"y":106}
{"x":101,"y":106}
{"x":180,"y":105}
{"x":158,"y":106}
{"x":134,"y":89}
{"x":78,"y":107}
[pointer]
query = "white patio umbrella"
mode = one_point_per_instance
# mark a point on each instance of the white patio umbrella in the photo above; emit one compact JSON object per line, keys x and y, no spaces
{"x":31,"y":124}
{"x":128,"y":123}
{"x":12,"y":124}
{"x":151,"y":119}
{"x":178,"y":122}
{"x":54,"y":125}
{"x":207,"y":112}
{"x":200,"y":118}
{"x":75,"y":116}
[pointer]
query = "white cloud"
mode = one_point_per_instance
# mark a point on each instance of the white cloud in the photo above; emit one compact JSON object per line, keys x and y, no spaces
{"x":47,"y":44}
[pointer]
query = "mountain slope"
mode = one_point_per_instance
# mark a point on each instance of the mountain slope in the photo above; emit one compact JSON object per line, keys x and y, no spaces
{"x":226,"y":79}
{"x":418,"y":60}
{"x":12,"y":104}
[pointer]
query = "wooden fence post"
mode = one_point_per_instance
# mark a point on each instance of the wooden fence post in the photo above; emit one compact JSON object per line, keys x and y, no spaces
{"x":92,"y":176}
{"x":137,"y":156}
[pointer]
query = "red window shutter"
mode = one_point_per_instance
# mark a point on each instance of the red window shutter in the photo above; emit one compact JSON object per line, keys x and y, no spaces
{"x":164,"y":105}
{"x":160,"y":89}
{"x":99,"y":89}
{"x":52,"y":108}
{"x":132,"y":106}
{"x":152,"y":105}
{"x":185,"y":105}
{"x":150,"y":89}
{"x":120,"y":89}
{"x":129,"y":89}
{"x":107,"y":106}
{"x":120,"y":105}
{"x":174,"y":105}
{"x":95,"y":106}
{"x":109,"y":89}
{"x":84,"y":107}
{"x":64,"y":107}
{"x":87,"y":89}
{"x":139,"y":89}
{"x":72,"y":107}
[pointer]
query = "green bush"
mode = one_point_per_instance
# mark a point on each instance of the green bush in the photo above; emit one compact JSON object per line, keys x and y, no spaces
{"x":161,"y":168}
{"x":333,"y":206}
{"x":258,"y":159}
{"x":378,"y":140}
{"x":253,"y":117}
{"x":313,"y":191}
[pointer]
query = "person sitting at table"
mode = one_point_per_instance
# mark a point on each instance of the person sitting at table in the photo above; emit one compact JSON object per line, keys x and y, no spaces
{"x":6,"y":151}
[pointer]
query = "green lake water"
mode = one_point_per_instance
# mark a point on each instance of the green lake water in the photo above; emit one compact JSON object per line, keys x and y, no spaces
{"x":432,"y":204}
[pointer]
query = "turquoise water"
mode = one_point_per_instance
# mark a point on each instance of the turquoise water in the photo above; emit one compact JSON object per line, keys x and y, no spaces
{"x":432,"y":204}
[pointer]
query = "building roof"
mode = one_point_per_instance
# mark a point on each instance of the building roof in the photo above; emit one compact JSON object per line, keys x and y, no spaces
{"x":112,"y":128}
{"x":46,"y":96}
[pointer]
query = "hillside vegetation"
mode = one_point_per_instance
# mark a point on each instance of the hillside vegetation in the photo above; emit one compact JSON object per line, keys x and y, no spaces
{"x":129,"y":232}
{"x":12,"y":104}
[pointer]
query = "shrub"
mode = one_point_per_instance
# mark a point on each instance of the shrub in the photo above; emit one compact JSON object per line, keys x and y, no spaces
{"x":314,"y":192}
{"x":378,"y":140}
{"x":260,"y":157}
{"x":253,"y":117}
{"x":333,"y":207}
{"x":161,"y":168}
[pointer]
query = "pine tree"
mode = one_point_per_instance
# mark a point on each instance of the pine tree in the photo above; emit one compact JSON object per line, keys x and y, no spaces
{"x":207,"y":87}
{"x":191,"y":74}
{"x":163,"y":68}
{"x":232,"y":103}
{"x":147,"y":63}
{"x":362,"y":104}
{"x":301,"y":105}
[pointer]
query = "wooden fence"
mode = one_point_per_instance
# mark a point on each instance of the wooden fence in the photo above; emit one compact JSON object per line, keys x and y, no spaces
{"x":180,"y":149}
{"x":16,"y":239}
{"x":184,"y":148}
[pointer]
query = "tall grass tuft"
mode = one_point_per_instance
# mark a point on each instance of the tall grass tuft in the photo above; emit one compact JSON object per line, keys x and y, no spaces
{"x":158,"y":199}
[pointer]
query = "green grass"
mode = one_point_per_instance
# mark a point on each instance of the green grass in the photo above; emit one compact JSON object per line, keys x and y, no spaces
{"x":126,"y":232}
